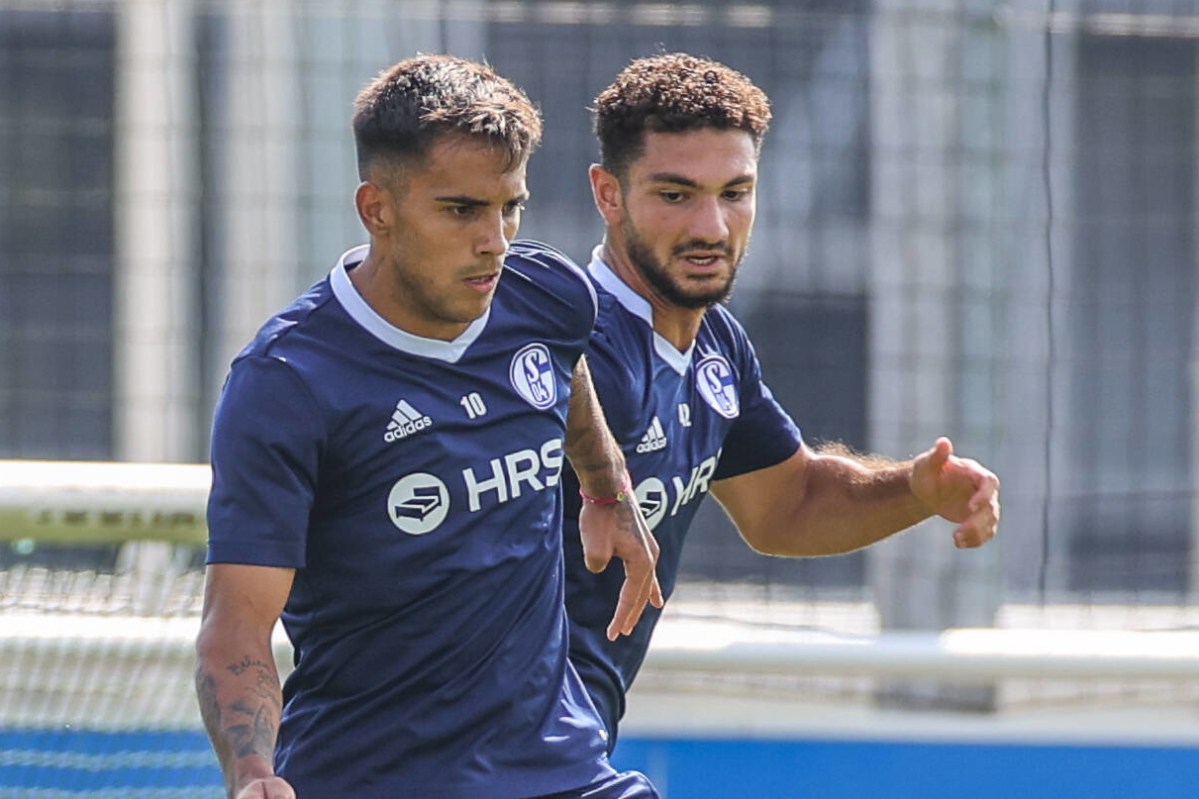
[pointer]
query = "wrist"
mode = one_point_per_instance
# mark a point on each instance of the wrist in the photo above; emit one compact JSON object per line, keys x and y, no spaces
{"x":622,"y":493}
{"x":917,"y":488}
{"x":249,"y":769}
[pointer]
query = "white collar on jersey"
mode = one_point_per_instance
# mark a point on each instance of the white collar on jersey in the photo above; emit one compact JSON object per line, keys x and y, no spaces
{"x":637,"y":305}
{"x":389,"y":334}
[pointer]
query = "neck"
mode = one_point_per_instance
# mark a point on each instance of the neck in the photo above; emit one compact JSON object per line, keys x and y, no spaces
{"x":378,"y":288}
{"x":676,"y":324}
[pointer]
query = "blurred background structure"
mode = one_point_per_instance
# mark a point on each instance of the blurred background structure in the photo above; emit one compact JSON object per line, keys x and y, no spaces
{"x":976,"y":218}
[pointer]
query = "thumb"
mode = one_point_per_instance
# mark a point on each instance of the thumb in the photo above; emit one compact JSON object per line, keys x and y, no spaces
{"x":939,"y":455}
{"x":595,"y":560}
{"x":597,"y":547}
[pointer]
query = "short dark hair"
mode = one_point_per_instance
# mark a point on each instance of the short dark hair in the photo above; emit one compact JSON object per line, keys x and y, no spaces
{"x":673,"y":93}
{"x":399,"y":114}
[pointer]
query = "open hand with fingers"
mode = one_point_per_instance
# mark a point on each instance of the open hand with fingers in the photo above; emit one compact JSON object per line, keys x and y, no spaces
{"x":617,"y":528}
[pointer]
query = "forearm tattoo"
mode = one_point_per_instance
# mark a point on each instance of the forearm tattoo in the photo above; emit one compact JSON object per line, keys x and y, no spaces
{"x":249,"y":724}
{"x":589,"y":446}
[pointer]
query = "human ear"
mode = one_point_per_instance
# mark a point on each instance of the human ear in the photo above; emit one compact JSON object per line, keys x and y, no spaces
{"x":374,"y":209}
{"x":605,"y":189}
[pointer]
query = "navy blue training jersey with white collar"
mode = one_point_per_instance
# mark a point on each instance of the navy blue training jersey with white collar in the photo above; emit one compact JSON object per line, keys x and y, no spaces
{"x":683,"y":419}
{"x":413,"y":486}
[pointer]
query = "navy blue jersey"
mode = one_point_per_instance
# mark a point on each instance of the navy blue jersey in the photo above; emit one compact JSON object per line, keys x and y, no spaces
{"x":683,"y":419}
{"x":414,"y":486}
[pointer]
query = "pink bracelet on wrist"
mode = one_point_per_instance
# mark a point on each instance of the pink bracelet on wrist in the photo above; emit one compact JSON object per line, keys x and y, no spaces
{"x":622,"y":494}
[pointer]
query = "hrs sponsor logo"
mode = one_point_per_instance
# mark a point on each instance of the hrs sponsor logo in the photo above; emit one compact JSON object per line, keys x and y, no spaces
{"x":420,"y":502}
{"x":659,"y":499}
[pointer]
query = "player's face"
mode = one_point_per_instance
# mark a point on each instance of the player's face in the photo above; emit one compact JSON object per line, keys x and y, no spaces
{"x":689,"y":205}
{"x":452,"y":220}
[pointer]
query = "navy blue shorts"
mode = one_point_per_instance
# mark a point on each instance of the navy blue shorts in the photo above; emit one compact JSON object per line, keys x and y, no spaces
{"x":626,"y":785}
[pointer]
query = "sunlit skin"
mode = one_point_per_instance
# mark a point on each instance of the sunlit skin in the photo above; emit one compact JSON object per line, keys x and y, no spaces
{"x":679,"y":226}
{"x":439,"y":230}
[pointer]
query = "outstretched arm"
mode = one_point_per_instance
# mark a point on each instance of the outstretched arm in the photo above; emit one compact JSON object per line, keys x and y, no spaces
{"x":615,"y":526}
{"x":833,"y":501}
{"x":236,"y":679}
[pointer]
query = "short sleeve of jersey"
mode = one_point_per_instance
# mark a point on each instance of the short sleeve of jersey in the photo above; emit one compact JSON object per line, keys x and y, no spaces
{"x":265,"y":447}
{"x":764,"y":434}
{"x":558,"y":288}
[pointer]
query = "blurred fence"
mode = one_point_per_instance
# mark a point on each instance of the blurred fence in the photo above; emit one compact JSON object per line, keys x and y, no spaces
{"x":975,"y":218}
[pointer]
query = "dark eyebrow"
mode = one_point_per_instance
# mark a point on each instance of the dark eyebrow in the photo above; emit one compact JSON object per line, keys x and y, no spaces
{"x":475,"y":202}
{"x":680,"y":180}
{"x":471,"y":201}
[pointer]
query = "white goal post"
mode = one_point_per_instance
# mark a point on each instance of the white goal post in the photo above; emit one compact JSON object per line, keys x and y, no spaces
{"x":86,"y":502}
{"x":964,"y":655}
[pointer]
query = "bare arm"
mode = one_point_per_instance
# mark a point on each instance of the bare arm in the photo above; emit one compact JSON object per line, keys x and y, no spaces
{"x":236,"y":680}
{"x":616,"y":529}
{"x":833,"y":501}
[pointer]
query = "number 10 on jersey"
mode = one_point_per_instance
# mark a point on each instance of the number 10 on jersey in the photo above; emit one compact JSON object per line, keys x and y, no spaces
{"x":473,"y":404}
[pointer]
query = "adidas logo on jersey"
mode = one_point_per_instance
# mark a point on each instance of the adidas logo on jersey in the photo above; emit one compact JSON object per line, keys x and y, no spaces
{"x":405,"y":420}
{"x":654,"y":438}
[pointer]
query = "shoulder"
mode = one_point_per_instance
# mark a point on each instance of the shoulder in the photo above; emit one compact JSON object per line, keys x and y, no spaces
{"x":549,"y":267}
{"x":540,"y":254}
{"x":289,"y":325}
{"x":545,"y":282}
{"x":729,"y":336}
{"x":264,"y":388}
{"x":619,"y":327}
{"x":621,"y":348}
{"x":624,"y":365}
{"x":296,"y":359}
{"x":723,"y":324}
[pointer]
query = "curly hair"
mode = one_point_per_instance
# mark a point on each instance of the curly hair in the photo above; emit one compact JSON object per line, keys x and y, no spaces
{"x":673,"y":93}
{"x":399,"y":114}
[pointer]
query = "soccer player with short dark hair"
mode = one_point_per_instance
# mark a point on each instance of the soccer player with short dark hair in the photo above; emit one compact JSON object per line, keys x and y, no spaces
{"x":677,"y":376}
{"x":386,"y":457}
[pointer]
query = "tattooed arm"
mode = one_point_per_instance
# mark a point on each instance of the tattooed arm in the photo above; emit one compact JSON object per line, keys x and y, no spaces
{"x":236,"y":680}
{"x":614,"y":526}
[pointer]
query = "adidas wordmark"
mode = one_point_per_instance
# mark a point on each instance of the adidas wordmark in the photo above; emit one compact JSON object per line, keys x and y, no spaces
{"x":405,"y":420}
{"x":654,"y":438}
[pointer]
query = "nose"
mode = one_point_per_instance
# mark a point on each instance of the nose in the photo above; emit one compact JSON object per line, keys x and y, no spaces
{"x":493,"y":236}
{"x":709,"y":223}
